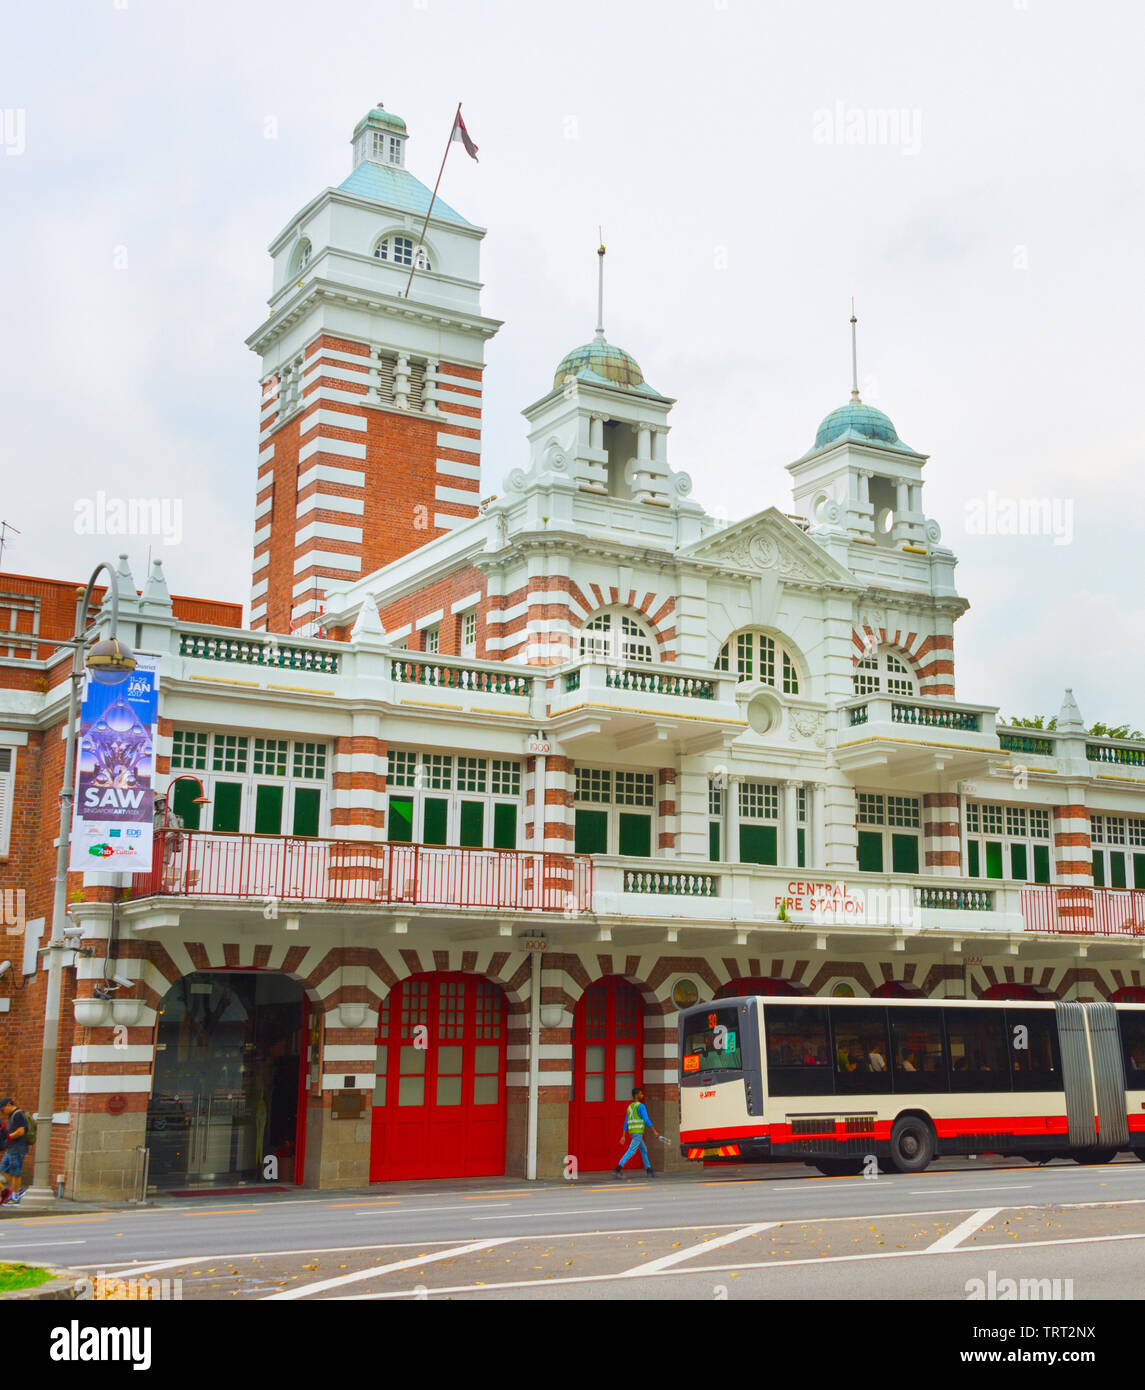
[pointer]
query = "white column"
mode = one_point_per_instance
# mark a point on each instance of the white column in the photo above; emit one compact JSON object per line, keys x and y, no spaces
{"x":731,"y":820}
{"x":539,"y":782}
{"x":817,"y":837}
{"x":790,"y":855}
{"x":402,"y":382}
{"x":429,"y":388}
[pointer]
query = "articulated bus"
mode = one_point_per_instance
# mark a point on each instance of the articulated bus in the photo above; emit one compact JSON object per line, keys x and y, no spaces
{"x":835,"y":1082}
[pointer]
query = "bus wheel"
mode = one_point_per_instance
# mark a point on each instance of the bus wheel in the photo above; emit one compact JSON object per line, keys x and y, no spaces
{"x":912,"y":1144}
{"x":1092,"y":1156}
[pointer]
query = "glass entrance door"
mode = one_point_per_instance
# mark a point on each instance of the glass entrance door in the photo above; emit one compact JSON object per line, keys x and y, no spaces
{"x":224,"y":1105}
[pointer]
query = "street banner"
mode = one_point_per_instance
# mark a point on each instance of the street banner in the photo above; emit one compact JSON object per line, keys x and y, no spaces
{"x":115,"y":767}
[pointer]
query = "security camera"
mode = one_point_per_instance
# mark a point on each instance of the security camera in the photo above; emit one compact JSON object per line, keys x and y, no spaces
{"x":5,"y":966}
{"x":123,"y":982}
{"x":72,"y":933}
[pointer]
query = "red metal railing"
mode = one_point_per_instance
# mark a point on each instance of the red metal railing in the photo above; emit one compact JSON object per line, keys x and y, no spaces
{"x":1084,"y":911}
{"x":273,"y":867}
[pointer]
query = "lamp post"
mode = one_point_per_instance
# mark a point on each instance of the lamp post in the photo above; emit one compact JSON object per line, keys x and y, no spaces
{"x":201,"y":800}
{"x":169,"y":847}
{"x":109,"y":662}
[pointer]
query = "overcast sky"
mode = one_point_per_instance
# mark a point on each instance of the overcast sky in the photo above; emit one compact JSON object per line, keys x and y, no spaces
{"x":992,"y":236}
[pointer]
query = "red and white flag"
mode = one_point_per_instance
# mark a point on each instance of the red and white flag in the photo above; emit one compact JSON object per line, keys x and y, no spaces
{"x":460,"y":133}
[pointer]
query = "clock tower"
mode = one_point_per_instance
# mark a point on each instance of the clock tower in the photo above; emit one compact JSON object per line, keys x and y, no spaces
{"x":370,"y":425}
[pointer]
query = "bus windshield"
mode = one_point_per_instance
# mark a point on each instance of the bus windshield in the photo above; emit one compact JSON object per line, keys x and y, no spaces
{"x":712,"y":1041}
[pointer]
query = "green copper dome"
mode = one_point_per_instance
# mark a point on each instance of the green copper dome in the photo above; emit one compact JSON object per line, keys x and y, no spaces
{"x":604,"y":364}
{"x":860,"y":419}
{"x":380,"y":119}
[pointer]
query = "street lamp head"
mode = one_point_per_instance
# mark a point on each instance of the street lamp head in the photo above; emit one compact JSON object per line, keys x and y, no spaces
{"x":110,"y":661}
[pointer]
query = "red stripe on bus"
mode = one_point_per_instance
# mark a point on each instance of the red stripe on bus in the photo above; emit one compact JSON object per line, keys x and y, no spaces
{"x":985,"y":1125}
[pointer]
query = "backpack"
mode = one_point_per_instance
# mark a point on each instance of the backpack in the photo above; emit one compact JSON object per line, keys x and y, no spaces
{"x":29,"y":1128}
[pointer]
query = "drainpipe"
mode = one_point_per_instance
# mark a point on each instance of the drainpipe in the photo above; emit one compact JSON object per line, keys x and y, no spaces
{"x":534,"y":1064}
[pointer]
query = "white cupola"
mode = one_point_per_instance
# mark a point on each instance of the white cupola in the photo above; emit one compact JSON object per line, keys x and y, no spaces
{"x":380,"y":138}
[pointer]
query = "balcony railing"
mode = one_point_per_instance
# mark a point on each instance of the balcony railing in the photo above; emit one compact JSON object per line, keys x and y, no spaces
{"x":1084,"y":911}
{"x":934,"y":717}
{"x":1125,"y":755}
{"x":659,"y":683}
{"x":449,"y":675}
{"x":272,"y":868}
{"x":882,"y":715}
{"x":286,"y":656}
{"x":1027,"y":743}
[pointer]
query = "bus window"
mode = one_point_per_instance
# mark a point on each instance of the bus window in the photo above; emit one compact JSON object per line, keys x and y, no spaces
{"x":798,"y":1051}
{"x":1032,"y":1036}
{"x":712,"y":1041}
{"x":979,"y":1056}
{"x":860,"y":1050}
{"x":917,"y":1050}
{"x":1133,"y":1048}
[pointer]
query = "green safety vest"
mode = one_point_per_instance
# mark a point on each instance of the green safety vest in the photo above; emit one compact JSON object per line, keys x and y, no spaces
{"x":634,"y":1122}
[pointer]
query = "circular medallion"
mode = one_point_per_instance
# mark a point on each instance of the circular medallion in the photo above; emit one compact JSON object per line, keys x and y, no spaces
{"x":685,"y":994}
{"x":116,"y":1105}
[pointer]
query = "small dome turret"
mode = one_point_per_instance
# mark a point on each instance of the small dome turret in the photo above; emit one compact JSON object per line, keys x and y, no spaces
{"x":855,"y":418}
{"x":603,"y":363}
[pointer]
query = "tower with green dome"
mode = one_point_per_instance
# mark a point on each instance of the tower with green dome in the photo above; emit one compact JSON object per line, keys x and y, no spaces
{"x":860,"y":486}
{"x":599,"y":437}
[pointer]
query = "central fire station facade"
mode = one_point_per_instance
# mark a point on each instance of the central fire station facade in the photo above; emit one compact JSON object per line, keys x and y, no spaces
{"x":490,"y":788}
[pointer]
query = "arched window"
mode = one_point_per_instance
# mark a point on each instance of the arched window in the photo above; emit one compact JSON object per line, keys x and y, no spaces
{"x":301,"y":256}
{"x":883,"y":671}
{"x":758,"y":657}
{"x":611,"y":636}
{"x":400,"y":250}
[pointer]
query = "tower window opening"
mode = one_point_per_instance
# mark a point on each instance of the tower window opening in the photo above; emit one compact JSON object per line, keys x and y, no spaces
{"x":400,"y":250}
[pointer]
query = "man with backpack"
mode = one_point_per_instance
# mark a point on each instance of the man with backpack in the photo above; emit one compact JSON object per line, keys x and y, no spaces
{"x":21,"y":1136}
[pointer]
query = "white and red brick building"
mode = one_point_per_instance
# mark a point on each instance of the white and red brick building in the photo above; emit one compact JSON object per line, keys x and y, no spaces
{"x":495,"y":785}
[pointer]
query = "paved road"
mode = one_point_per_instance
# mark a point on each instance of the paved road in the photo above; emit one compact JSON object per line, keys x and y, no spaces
{"x":760,"y":1232}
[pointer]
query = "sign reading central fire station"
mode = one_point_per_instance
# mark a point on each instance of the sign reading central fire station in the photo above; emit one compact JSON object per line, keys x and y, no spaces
{"x":822,"y":897}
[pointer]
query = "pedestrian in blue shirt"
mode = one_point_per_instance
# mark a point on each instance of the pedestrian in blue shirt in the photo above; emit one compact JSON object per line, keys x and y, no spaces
{"x":636,"y":1120}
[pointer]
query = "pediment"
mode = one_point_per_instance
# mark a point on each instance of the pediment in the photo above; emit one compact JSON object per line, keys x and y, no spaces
{"x":768,"y":541}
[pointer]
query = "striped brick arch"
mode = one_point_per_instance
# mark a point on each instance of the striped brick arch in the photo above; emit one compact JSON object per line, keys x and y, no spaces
{"x":930,"y":658}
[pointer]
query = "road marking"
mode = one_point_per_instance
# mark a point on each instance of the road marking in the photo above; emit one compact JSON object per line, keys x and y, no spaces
{"x":528,"y":1215}
{"x":962,"y":1230}
{"x":31,"y":1244}
{"x":484,"y":1197}
{"x":228,"y":1211}
{"x":947,"y":1191}
{"x":422,"y":1292}
{"x":666,"y":1260}
{"x":359,"y":1275}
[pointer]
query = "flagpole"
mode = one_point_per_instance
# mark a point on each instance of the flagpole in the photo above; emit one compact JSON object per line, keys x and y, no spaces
{"x":432,"y":200}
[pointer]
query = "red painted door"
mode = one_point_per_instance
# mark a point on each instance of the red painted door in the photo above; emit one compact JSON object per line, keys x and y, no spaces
{"x":608,"y":1060}
{"x":439,"y":1097}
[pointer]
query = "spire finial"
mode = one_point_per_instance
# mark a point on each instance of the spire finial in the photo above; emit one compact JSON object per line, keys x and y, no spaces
{"x":600,"y":286}
{"x":854,"y":355}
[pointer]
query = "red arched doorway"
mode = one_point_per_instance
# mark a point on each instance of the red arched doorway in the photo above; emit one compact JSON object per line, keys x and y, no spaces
{"x":608,"y":1060}
{"x":897,"y":989}
{"x":1016,"y":991}
{"x":757,"y":984}
{"x":439,"y":1093}
{"x":1128,"y":994}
